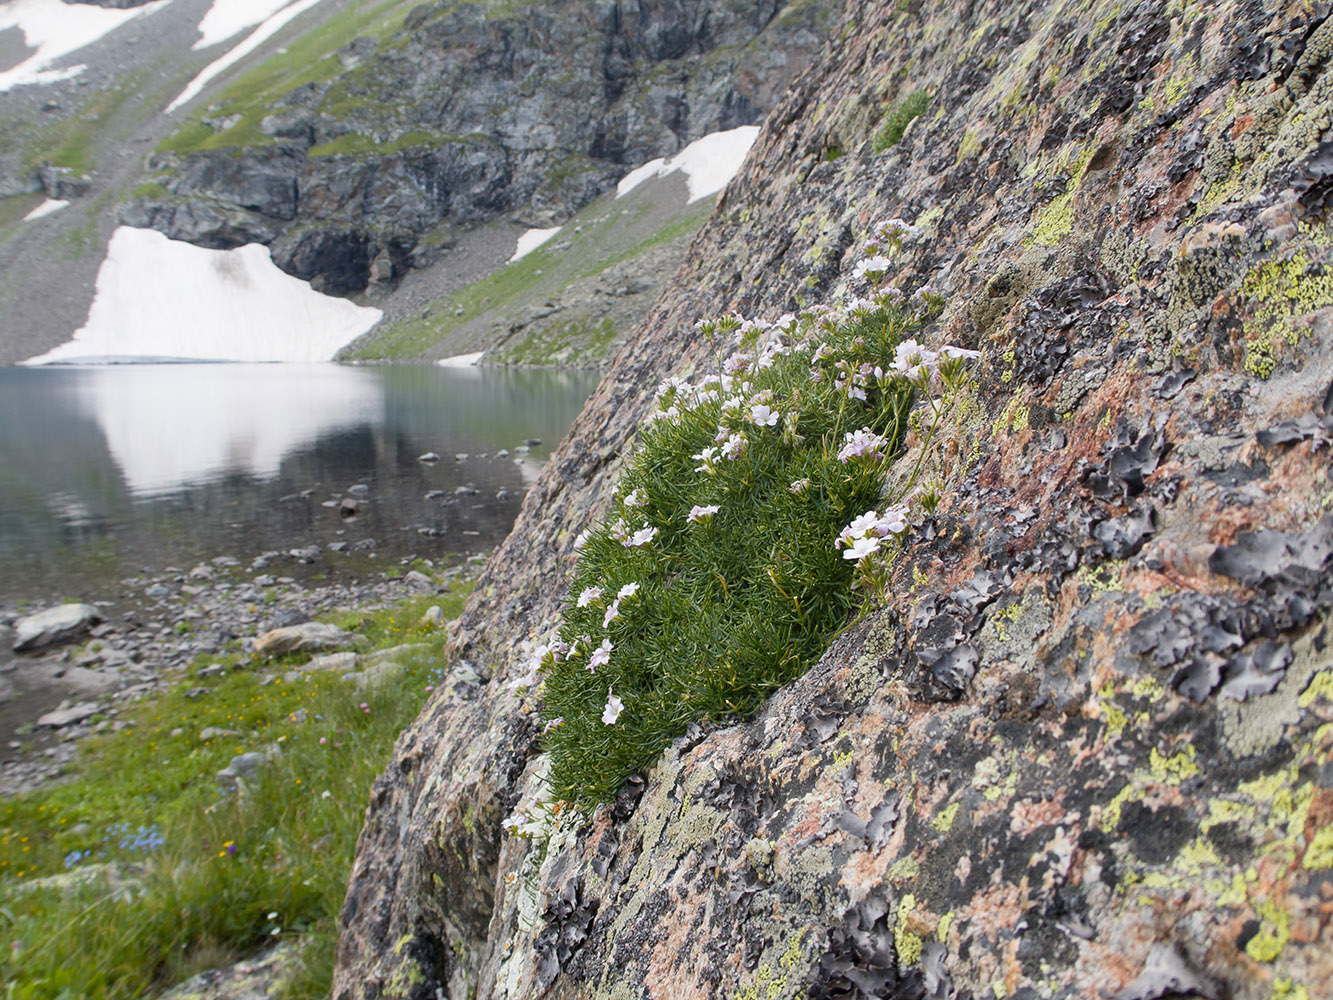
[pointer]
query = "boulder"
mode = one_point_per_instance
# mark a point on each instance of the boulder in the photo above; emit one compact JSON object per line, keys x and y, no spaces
{"x":68,"y":716}
{"x":58,"y":624}
{"x":310,"y":636}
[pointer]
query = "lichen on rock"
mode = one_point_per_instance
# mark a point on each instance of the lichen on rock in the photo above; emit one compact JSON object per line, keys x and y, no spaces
{"x":1127,"y":786}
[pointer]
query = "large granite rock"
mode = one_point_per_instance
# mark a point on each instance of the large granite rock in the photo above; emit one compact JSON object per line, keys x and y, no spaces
{"x":1087,"y":748}
{"x":470,"y":112}
{"x":58,"y":624}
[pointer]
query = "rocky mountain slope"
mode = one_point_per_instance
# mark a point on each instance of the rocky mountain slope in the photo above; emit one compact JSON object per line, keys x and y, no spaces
{"x":1085,"y":749}
{"x":358,"y":168}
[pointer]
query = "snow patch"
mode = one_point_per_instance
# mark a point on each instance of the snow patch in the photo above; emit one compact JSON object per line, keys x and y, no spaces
{"x":460,"y":360}
{"x":530,"y":241}
{"x":252,"y":41}
{"x":56,"y":29}
{"x":168,"y":426}
{"x":45,"y":208}
{"x":708,"y":163}
{"x":226,"y":17}
{"x":163,"y":299}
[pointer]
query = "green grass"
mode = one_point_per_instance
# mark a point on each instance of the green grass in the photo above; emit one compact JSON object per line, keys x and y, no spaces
{"x":895,"y":124}
{"x":309,"y":58}
{"x":730,"y":607}
{"x":72,"y":140}
{"x":568,"y":343}
{"x":209,"y":869}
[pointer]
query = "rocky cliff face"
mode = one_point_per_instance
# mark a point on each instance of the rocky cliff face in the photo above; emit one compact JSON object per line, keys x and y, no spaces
{"x":470,"y":111}
{"x":1085,"y":749}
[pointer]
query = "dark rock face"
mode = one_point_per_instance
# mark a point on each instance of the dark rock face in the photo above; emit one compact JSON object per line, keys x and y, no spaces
{"x":1086,"y":749}
{"x":476,"y":110}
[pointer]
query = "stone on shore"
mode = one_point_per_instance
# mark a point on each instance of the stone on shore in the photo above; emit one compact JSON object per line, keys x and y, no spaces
{"x":68,"y":716}
{"x":58,"y":624}
{"x":309,"y":636}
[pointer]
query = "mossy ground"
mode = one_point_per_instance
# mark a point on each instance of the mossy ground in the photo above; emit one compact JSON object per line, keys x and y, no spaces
{"x":213,"y":876}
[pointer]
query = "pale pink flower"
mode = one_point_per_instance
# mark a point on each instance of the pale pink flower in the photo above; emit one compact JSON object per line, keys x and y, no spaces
{"x":614,"y":706}
{"x":861,"y":443}
{"x":612,"y":613}
{"x":629,"y":590}
{"x":641,"y":537}
{"x":589,"y":595}
{"x":698,"y":513}
{"x":601,"y":656}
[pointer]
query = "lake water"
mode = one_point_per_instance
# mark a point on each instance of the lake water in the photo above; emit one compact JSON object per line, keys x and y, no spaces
{"x":106,"y":472}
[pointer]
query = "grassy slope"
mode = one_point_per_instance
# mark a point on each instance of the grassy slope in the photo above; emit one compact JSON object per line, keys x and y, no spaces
{"x":211,"y":867}
{"x":613,"y":232}
{"x":309,"y":58}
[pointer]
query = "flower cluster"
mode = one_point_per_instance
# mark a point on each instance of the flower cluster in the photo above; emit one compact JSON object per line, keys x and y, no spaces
{"x":791,"y":432}
{"x":863,"y":443}
{"x":864,"y":535}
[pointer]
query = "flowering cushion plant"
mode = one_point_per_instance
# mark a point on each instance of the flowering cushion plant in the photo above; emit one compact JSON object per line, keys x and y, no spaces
{"x":752,"y":505}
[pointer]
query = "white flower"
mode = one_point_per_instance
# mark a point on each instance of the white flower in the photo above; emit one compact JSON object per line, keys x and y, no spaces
{"x":763,"y":416}
{"x":612,"y":613}
{"x":698,"y":513}
{"x":871,"y":265}
{"x":555,"y":723}
{"x":861,"y":548}
{"x":635,"y":499}
{"x":735,"y":444}
{"x":707,"y":456}
{"x":959,"y":352}
{"x":641,"y":537}
{"x":580,"y":539}
{"x":799,"y":486}
{"x":589,"y":595}
{"x":614,"y":706}
{"x":629,"y":590}
{"x":910,"y":358}
{"x":601,"y":656}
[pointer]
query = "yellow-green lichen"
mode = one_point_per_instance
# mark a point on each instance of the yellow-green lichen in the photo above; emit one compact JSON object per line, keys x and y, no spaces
{"x":1273,"y":933}
{"x":1173,"y":770}
{"x":942,"y":928}
{"x":793,"y":953}
{"x":1319,"y":854}
{"x":1056,"y":220}
{"x":905,"y":943}
{"x":943,"y":821}
{"x":1281,"y":292}
{"x":904,"y":869}
{"x":1320,"y":686}
{"x":1285,"y":989}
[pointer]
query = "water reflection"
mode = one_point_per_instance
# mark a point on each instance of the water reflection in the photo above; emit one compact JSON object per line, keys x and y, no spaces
{"x":104,"y":471}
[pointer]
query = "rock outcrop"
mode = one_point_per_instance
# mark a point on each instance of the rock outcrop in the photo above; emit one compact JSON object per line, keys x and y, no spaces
{"x":1086,"y":749}
{"x":469,"y":112}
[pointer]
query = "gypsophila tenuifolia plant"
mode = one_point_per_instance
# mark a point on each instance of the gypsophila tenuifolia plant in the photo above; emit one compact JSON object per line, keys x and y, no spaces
{"x":748,"y":526}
